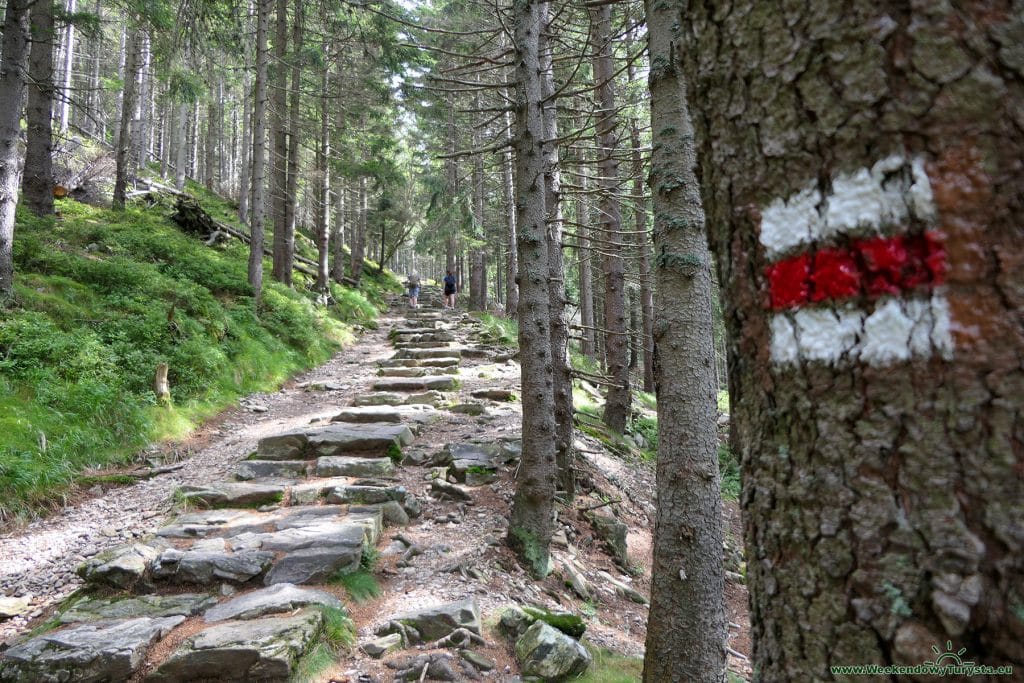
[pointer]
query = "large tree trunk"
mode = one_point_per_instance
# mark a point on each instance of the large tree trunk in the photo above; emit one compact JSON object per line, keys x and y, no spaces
{"x":181,"y":146}
{"x":279,"y":145}
{"x":617,"y":403}
{"x":13,"y":65}
{"x":259,"y":156}
{"x":294,"y":132}
{"x":644,"y":261}
{"x":37,"y":184}
{"x":585,"y":259}
{"x":141,"y":123}
{"x":122,"y":156}
{"x":511,"y":258}
{"x":865,"y":197}
{"x":477,"y":272}
{"x":686,"y":627}
{"x":338,"y":233}
{"x":530,"y":521}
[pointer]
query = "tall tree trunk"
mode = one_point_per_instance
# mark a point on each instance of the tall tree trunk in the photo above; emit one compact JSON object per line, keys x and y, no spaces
{"x":358,"y":244}
{"x":686,"y":627}
{"x":259,"y":155}
{"x":511,"y":257}
{"x":338,"y":234}
{"x":246,"y":160}
{"x":530,"y":521}
{"x":294,"y":132}
{"x":37,"y":183}
{"x":68,"y":69}
{"x":13,"y":65}
{"x":644,"y":261}
{"x":864,"y":197}
{"x":97,"y":118}
{"x":141,"y":129}
{"x":583,"y":217}
{"x":181,"y":147}
{"x":122,"y":157}
{"x":477,"y":273}
{"x":323,"y":216}
{"x":279,"y":145}
{"x":210,"y":146}
{"x":618,"y":401}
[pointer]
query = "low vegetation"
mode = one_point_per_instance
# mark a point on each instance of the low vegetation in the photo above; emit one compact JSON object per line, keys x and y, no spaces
{"x":102,"y":298}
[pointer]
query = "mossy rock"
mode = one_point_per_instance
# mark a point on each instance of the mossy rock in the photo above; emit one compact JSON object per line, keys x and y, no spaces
{"x":566,"y":622}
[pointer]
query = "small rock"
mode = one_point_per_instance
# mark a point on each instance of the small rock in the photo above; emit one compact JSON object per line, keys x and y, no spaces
{"x":378,"y":647}
{"x":13,"y":607}
{"x":478,"y":660}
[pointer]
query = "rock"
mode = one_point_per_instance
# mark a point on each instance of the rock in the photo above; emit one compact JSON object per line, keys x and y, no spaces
{"x":232,"y":493}
{"x":494,"y":394}
{"x":575,"y":578}
{"x":394,"y":514}
{"x":361,"y":414}
{"x":477,"y":660}
{"x":440,"y":362}
{"x":439,"y":383}
{"x":121,"y":567}
{"x":442,"y":489}
{"x":325,"y":532}
{"x":13,"y":607}
{"x":365,"y":495}
{"x":420,"y":354}
{"x":323,"y":386}
{"x":410,"y":372}
{"x":100,"y":609}
{"x":258,"y":650}
{"x":468,"y":408}
{"x":566,"y":622}
{"x":378,"y":399}
{"x":213,"y":522}
{"x":549,"y":654}
{"x":412,"y":507}
{"x":334,"y":439}
{"x":341,"y":466}
{"x":613,"y":533}
{"x":315,"y":565}
{"x":434,"y":623}
{"x":378,"y":647}
{"x":430,"y":398}
{"x":438,"y":666}
{"x":513,"y":622}
{"x":259,"y":469}
{"x":282,"y":597}
{"x":478,"y":476}
{"x":206,"y":568}
{"x":99,"y":651}
{"x":623,"y":589}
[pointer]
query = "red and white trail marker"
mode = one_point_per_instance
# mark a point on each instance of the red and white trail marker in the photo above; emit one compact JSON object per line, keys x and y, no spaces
{"x":855,"y":274}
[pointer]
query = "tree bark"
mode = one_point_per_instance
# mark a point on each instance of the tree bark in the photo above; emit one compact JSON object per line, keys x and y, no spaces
{"x":68,"y":69}
{"x":618,"y":400}
{"x":37,"y":183}
{"x":644,"y":261}
{"x":259,"y":156}
{"x":875,"y":385}
{"x":358,"y":245}
{"x":530,"y":521}
{"x":511,"y":257}
{"x":181,"y":147}
{"x":294,"y":132}
{"x":585,"y":258}
{"x":686,"y":627}
{"x":279,"y":145}
{"x":122,"y":157}
{"x":244,"y":174}
{"x":323,"y":206}
{"x":13,"y":64}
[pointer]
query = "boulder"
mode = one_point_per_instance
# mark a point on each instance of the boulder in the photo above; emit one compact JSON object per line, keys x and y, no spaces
{"x":434,"y":623}
{"x":315,"y":564}
{"x":473,"y":409}
{"x":325,"y":532}
{"x":207,"y":568}
{"x":419,"y":354}
{"x":121,"y":567}
{"x":477,"y":660}
{"x":262,"y":469}
{"x":378,"y":399}
{"x":342,"y":466}
{"x":566,"y":622}
{"x":207,"y":523}
{"x":438,"y":383}
{"x":98,"y":651}
{"x":257,"y":650}
{"x":411,"y":372}
{"x":365,"y":495}
{"x":107,"y":609}
{"x":282,"y":597}
{"x":394,"y":514}
{"x":613,"y":533}
{"x":233,"y":493}
{"x":494,"y":394}
{"x":549,"y":654}
{"x":429,"y":398}
{"x":442,"y":489}
{"x":334,"y":439}
{"x":13,"y":607}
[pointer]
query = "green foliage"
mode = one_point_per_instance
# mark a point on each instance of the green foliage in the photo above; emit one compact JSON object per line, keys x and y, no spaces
{"x":338,"y":635}
{"x":101,"y":299}
{"x":315,"y":662}
{"x":529,"y":548}
{"x":501,"y":331}
{"x":729,"y":469}
{"x":611,"y":667}
{"x":360,"y":585}
{"x":647,"y":427}
{"x":339,"y":631}
{"x":369,"y":558}
{"x":723,"y":401}
{"x":647,"y":400}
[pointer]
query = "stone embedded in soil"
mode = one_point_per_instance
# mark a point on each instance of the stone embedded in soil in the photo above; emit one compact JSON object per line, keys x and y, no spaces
{"x":282,"y":597}
{"x":334,"y":439}
{"x":233,"y":493}
{"x":394,"y":514}
{"x":548,"y":653}
{"x":468,"y":408}
{"x":439,"y":383}
{"x":420,"y":362}
{"x":494,"y":394}
{"x":214,"y":523}
{"x":287,"y":540}
{"x":434,"y":623}
{"x":341,"y":466}
{"x":442,"y":489}
{"x":315,"y":564}
{"x":260,"y":469}
{"x":98,"y":651}
{"x":566,"y":622}
{"x":365,"y":494}
{"x":613,"y":533}
{"x":444,"y":352}
{"x":256,"y":650}
{"x":378,"y":647}
{"x":121,"y":567}
{"x":14,"y":607}
{"x":206,"y":568}
{"x":478,"y":660}
{"x":411,"y":372}
{"x":378,"y":399}
{"x":100,"y":609}
{"x":389,"y":414}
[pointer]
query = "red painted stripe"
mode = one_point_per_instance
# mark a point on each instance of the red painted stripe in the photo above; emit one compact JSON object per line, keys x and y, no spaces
{"x":869,"y":268}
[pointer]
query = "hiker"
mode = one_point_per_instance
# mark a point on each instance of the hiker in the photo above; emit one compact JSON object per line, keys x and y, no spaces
{"x":449,"y":290}
{"x":414,"y":289}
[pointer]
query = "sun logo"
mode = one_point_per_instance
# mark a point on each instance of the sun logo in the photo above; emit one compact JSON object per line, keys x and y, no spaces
{"x":948,"y":658}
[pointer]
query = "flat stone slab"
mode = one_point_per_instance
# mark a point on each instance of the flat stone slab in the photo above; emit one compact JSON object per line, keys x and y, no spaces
{"x":283,"y":597}
{"x":206,"y":568}
{"x":418,"y":414}
{"x":12,"y":607}
{"x":411,"y":372}
{"x":256,"y":650}
{"x":315,"y":564}
{"x":342,"y":466}
{"x":233,"y":493}
{"x":445,"y":352}
{"x":120,"y":567}
{"x":465,"y":459}
{"x":494,"y":394}
{"x":260,"y":469}
{"x":378,"y":399}
{"x":312,"y":492}
{"x":334,"y":439}
{"x":206,"y":523}
{"x":298,"y":538}
{"x":107,"y":609}
{"x":434,"y":623}
{"x":98,"y":651}
{"x":365,"y":495}
{"x":439,"y":383}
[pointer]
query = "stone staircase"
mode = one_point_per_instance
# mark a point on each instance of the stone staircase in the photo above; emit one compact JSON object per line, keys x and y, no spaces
{"x":238,"y":586}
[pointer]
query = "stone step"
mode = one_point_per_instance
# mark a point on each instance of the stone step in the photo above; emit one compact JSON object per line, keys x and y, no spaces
{"x":248,"y":470}
{"x":412,"y":372}
{"x":439,"y":383}
{"x":382,"y":440}
{"x":389,"y":414}
{"x":446,"y":362}
{"x":446,"y":352}
{"x":341,"y":466}
{"x":132,"y":607}
{"x":225,"y":494}
{"x":424,"y":344}
{"x":494,"y":394}
{"x":281,"y":597}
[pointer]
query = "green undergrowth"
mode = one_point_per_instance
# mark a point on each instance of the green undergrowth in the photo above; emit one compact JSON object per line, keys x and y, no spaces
{"x":360,"y":585}
{"x":338,"y":635}
{"x":101,"y":299}
{"x":498,"y":330}
{"x":611,"y":667}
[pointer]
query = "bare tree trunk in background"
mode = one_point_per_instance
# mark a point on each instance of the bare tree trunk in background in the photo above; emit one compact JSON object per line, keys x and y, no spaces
{"x":295,"y":121}
{"x":97,"y":123}
{"x":13,"y":65}
{"x":246,"y":160}
{"x":259,"y":155}
{"x":530,"y":521}
{"x":644,"y":262}
{"x":210,"y":148}
{"x":477,"y":272}
{"x":338,"y":233}
{"x":279,"y":144}
{"x":181,"y":146}
{"x":870,"y":238}
{"x":618,"y":401}
{"x":511,"y":257}
{"x":37,"y":182}
{"x":141,"y":124}
{"x":323,"y":200}
{"x":583,"y":217}
{"x":122,"y":158}
{"x":68,"y":70}
{"x":358,"y":245}
{"x":451,"y":166}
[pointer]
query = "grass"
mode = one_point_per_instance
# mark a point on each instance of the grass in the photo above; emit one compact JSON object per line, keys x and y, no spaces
{"x":501,"y":331}
{"x":361,"y":585}
{"x":729,"y":469}
{"x":101,"y":298}
{"x":338,"y":635}
{"x":611,"y":667}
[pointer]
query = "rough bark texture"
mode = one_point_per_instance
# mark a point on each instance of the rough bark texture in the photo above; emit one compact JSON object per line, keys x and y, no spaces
{"x":279,"y":144}
{"x":122,"y":156}
{"x":530,"y":521}
{"x":643,"y":245}
{"x":882,"y":495}
{"x":618,"y":400}
{"x":323,"y":208}
{"x":181,"y":146}
{"x":37,"y":184}
{"x":68,"y":68}
{"x":358,"y":245}
{"x":585,"y":256}
{"x":259,"y":145}
{"x":294,"y":123}
{"x":245,"y":173}
{"x":686,"y":628}
{"x":12,"y":90}
{"x":477,"y":263}
{"x":511,"y":257}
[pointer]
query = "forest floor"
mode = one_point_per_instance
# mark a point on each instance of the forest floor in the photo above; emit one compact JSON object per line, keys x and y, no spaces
{"x":460,"y":554}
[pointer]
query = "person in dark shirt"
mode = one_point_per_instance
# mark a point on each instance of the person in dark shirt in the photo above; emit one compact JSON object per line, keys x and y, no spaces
{"x":449,"y":290}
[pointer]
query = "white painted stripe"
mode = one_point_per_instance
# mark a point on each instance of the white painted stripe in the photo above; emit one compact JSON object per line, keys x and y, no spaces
{"x":867,"y":200}
{"x":897,"y":330}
